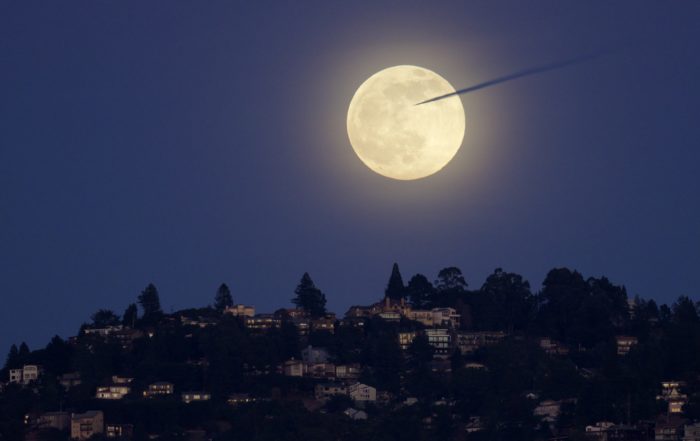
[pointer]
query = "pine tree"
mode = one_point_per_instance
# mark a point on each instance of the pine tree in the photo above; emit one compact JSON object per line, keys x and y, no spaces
{"x":23,"y":355}
{"x":309,"y":298}
{"x":223,"y":298}
{"x":12,"y":361}
{"x":150,"y":301}
{"x":395,"y":289}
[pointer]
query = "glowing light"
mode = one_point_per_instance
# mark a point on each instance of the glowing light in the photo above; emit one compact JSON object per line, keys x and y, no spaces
{"x":398,"y":139}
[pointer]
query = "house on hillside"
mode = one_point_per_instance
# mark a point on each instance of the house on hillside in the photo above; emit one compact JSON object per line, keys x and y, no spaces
{"x":326,"y":323}
{"x":294,"y":368}
{"x":195,"y":396}
{"x":159,"y":389}
{"x":446,"y":317}
{"x":468,"y":342}
{"x":240,"y":311}
{"x":406,"y":338}
{"x":263,"y":322}
{"x":70,"y":380}
{"x":357,"y":312}
{"x":441,"y":340}
{"x":320,"y":370}
{"x":121,"y":431}
{"x":26,"y":374}
{"x":116,"y":390}
{"x":625,"y":344}
{"x":355,"y":414}
{"x":54,"y":420}
{"x":112,"y":392}
{"x":85,"y":425}
{"x":103,"y":332}
{"x":671,"y":392}
{"x":324,"y":391}
{"x":348,"y":371}
{"x":199,"y":321}
{"x":362,"y":392}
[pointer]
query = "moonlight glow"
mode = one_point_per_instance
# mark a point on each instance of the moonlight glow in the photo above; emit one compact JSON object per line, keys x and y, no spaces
{"x":397,"y":138}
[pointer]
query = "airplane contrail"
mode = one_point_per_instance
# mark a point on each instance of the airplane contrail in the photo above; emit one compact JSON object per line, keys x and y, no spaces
{"x":513,"y":76}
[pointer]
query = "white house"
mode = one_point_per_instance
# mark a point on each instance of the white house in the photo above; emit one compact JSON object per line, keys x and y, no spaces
{"x":362,"y":392}
{"x":30,"y":373}
{"x":355,"y":414}
{"x":440,"y":339}
{"x":26,"y":374}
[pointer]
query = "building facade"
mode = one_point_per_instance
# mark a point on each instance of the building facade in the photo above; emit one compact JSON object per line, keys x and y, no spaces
{"x":159,"y":389}
{"x":85,"y":425}
{"x":362,"y":392}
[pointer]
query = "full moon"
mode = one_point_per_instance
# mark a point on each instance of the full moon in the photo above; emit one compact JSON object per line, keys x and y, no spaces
{"x":397,"y":138}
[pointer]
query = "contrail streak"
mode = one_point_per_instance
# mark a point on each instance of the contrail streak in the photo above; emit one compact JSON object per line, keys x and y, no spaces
{"x":513,"y":76}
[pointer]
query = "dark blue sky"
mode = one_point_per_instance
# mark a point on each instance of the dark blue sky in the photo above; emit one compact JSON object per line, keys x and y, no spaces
{"x":190,"y":143}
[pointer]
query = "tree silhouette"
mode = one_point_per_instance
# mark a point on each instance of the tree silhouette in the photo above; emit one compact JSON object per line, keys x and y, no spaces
{"x":131,"y":314}
{"x":420,"y":352}
{"x":104,"y":317}
{"x":12,"y":361}
{"x":23,"y":351}
{"x":506,"y":301}
{"x":395,"y":289}
{"x":684,"y":311}
{"x":451,"y":279}
{"x":309,"y":298}
{"x":150,"y":301}
{"x":420,"y":292}
{"x":57,"y":356}
{"x":579,"y":311}
{"x":223,"y":298}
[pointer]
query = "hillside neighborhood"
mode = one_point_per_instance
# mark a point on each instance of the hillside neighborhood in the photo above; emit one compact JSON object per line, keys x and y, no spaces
{"x":429,"y":360}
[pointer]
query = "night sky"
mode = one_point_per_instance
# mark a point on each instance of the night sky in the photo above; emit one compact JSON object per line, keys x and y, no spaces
{"x":193,"y":143}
